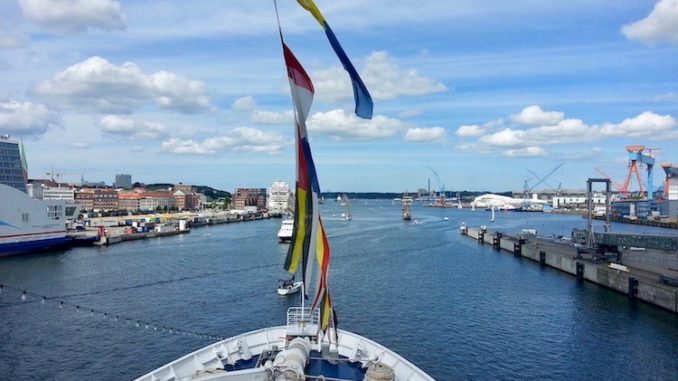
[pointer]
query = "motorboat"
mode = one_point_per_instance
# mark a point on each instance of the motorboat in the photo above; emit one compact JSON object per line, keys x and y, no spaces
{"x":289,"y":286}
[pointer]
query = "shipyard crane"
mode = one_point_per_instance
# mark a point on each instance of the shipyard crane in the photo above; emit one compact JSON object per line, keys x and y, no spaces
{"x":619,"y":187}
{"x":440,"y":185}
{"x":556,"y":188}
{"x":540,"y":179}
{"x":636,"y":156}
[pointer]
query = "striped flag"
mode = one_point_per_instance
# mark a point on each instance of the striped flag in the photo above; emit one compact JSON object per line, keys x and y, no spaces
{"x":309,"y":241}
{"x":363,"y":100}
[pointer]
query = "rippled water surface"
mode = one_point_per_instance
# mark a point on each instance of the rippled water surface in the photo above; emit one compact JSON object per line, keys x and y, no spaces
{"x":456,"y":309}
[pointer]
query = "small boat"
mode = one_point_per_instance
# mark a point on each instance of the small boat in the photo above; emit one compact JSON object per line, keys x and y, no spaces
{"x":289,"y":286}
{"x":286,"y":230}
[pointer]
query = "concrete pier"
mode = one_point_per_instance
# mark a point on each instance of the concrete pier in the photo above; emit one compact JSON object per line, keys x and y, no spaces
{"x":640,"y":284}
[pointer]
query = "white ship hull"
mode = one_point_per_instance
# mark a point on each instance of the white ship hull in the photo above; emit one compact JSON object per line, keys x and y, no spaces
{"x":227,"y":359}
{"x":28,"y":225}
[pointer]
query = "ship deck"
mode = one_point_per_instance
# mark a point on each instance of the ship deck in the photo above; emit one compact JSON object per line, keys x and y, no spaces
{"x":341,"y":368}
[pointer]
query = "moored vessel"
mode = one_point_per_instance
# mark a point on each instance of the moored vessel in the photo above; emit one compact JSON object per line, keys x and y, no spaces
{"x":286,"y":230}
{"x":28,"y":225}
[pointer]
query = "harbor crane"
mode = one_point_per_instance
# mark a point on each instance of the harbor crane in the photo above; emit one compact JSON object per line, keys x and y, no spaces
{"x":440,"y":185}
{"x":619,"y":187}
{"x":637,"y":156}
{"x":540,"y":179}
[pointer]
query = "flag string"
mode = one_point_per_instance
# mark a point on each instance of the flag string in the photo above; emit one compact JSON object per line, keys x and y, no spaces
{"x":25,"y":296}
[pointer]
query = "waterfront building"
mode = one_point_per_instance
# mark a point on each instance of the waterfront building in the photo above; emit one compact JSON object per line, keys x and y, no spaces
{"x":123,"y":180}
{"x":12,"y":168}
{"x":97,"y":199}
{"x":105,"y":199}
{"x":252,"y":197}
{"x":278,"y":197}
{"x":129,"y":201}
{"x":58,"y":193}
{"x":186,"y":197}
{"x":151,"y":201}
{"x":84,"y":198}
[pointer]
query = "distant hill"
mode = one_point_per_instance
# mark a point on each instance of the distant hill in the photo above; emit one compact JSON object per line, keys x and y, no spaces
{"x":392,"y":195}
{"x":211,"y":193}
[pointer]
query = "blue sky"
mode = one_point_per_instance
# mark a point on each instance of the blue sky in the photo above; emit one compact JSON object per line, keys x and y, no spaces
{"x":478,"y":92}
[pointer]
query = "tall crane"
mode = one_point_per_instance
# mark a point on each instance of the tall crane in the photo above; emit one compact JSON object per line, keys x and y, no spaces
{"x":636,"y":156}
{"x":440,"y":185}
{"x":540,"y":179}
{"x":619,"y":187}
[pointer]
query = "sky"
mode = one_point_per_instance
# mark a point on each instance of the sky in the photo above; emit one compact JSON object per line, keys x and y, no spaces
{"x":485,"y":96}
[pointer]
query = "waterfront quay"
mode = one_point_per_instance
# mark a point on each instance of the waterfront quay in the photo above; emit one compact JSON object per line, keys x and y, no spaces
{"x":104,"y":231}
{"x":646,"y":274}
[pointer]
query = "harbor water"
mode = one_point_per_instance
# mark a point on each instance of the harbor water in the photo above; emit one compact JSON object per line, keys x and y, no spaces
{"x":456,"y":309}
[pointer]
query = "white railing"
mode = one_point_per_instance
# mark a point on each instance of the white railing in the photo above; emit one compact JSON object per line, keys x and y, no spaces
{"x":298,"y":315}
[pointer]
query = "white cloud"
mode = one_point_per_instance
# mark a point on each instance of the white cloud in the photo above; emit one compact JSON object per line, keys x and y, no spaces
{"x":504,"y":138}
{"x":104,"y":87}
{"x":116,"y":125}
{"x":137,"y":149}
{"x":242,"y":139}
{"x":383,"y":79}
{"x":645,"y":124}
{"x":386,"y":81}
{"x":566,"y":131}
{"x":473,"y":130}
{"x":244,"y":104}
{"x":433,"y":134}
{"x":26,"y":118}
{"x":130,"y":129}
{"x":661,"y":25}
{"x":272,"y":117}
{"x":343,"y":125}
{"x":74,"y":15}
{"x":476,"y":130}
{"x":534,"y":115}
{"x":531,"y":151}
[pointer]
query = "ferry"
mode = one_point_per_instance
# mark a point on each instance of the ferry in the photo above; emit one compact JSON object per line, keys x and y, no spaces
{"x":28,"y":225}
{"x":286,"y":230}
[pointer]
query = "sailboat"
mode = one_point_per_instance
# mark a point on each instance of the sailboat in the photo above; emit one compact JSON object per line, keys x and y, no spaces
{"x":310,"y":346}
{"x":407,"y":207}
{"x":346,"y":214}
